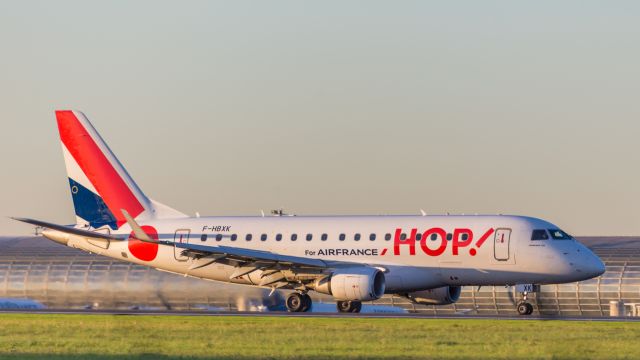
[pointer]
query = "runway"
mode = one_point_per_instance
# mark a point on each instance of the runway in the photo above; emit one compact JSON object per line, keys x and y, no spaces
{"x":320,"y":315}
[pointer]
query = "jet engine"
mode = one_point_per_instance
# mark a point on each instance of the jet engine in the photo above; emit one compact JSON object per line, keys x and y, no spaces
{"x":439,"y":296}
{"x":352,"y":284}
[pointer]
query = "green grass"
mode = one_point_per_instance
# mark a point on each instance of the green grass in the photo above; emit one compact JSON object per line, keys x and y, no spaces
{"x":169,"y":337}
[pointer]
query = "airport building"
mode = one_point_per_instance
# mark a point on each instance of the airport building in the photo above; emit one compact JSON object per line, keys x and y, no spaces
{"x":58,"y":277}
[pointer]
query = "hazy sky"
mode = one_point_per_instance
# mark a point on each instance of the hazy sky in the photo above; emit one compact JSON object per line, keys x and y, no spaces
{"x":332,"y":107}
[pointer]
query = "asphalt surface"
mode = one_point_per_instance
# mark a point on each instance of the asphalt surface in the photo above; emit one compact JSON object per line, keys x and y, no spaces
{"x":320,"y":315}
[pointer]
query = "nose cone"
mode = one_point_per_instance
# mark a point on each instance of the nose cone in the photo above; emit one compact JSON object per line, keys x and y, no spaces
{"x":597,"y":267}
{"x":591,"y":266}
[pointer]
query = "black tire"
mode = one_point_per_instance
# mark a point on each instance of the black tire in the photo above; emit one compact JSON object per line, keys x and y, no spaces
{"x":307,"y":302}
{"x":523,"y":308}
{"x":347,"y":306}
{"x":343,"y":306}
{"x":295,"y":302}
{"x":529,"y":309}
{"x":356,"y":306}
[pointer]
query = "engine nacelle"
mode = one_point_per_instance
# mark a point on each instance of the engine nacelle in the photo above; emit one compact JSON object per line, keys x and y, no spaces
{"x":439,"y":296}
{"x":355,"y":284}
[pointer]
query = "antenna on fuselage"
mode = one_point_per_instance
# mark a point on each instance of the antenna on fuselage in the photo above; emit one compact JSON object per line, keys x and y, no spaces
{"x":280,"y":212}
{"x":423,"y":212}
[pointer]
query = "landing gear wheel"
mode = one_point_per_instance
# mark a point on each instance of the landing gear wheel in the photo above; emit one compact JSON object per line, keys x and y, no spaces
{"x":307,"y":302}
{"x":349,"y":306}
{"x":529,"y":309}
{"x":524,"y":308}
{"x":357,"y":306}
{"x":296,"y":302}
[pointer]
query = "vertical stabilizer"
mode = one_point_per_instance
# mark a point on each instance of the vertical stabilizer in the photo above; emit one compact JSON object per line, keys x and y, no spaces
{"x":100,"y":185}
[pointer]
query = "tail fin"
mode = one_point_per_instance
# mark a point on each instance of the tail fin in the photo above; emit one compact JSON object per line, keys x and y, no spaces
{"x":100,"y":185}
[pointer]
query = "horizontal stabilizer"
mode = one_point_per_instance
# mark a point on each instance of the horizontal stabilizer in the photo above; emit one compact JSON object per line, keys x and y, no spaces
{"x":71,"y":230}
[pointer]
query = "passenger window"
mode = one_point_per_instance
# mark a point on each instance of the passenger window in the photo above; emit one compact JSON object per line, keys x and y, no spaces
{"x":403,"y":236}
{"x":449,"y":237}
{"x":387,"y":236}
{"x":294,"y":237}
{"x":309,"y":237}
{"x":278,"y":237}
{"x":540,"y":234}
{"x":342,"y":237}
{"x":372,"y":237}
{"x":323,"y":237}
{"x":356,"y":237}
{"x":234,"y":237}
{"x":203,"y":237}
{"x":219,"y":237}
{"x":249,"y":236}
{"x":418,"y":237}
{"x":557,"y":234}
{"x":263,"y":237}
{"x":465,"y":237}
{"x":434,"y":237}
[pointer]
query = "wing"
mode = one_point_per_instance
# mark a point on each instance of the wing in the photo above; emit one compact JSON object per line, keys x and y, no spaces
{"x":249,"y":255}
{"x":276,"y":270}
{"x":271,"y":269}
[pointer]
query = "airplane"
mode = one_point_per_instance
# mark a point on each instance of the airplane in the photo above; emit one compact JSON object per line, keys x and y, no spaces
{"x":424,"y":258}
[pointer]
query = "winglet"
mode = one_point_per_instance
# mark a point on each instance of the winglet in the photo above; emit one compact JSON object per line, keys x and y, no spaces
{"x":137,"y":230}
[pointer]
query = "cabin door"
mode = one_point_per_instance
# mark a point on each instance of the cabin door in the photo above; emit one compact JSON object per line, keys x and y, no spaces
{"x":501,"y":244}
{"x":181,"y":236}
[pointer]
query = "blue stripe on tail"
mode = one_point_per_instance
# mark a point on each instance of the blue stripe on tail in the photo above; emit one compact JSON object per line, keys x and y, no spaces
{"x":90,"y":207}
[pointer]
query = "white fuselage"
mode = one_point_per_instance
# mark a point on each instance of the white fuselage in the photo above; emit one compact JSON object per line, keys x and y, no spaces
{"x":506,"y":256}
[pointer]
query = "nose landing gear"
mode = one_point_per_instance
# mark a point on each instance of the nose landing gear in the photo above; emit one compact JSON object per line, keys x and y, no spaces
{"x":298,"y":302}
{"x":349,"y":306}
{"x":523,"y":307}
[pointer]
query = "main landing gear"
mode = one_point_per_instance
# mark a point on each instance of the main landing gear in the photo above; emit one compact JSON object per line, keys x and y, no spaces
{"x":349,"y":306}
{"x":301,"y":302}
{"x":298,"y":302}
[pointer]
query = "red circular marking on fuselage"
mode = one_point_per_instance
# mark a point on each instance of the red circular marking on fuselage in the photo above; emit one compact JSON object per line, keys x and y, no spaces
{"x":472,"y":252}
{"x":142,"y":250}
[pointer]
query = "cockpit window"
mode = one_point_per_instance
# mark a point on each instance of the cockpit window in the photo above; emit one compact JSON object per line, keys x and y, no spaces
{"x":558,"y":234}
{"x":540,"y":234}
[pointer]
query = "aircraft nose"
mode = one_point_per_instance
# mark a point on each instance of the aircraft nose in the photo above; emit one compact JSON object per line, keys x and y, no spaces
{"x":592,"y":266}
{"x":598,"y":267}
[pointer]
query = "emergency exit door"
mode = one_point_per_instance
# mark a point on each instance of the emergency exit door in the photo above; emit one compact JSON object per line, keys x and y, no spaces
{"x":501,"y":244}
{"x":181,"y":236}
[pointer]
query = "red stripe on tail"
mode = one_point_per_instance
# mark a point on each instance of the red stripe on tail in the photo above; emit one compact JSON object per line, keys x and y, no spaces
{"x":110,"y":186}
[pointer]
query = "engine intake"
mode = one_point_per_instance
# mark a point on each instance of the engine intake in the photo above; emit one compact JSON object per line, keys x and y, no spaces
{"x":439,"y":296}
{"x":354,"y":284}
